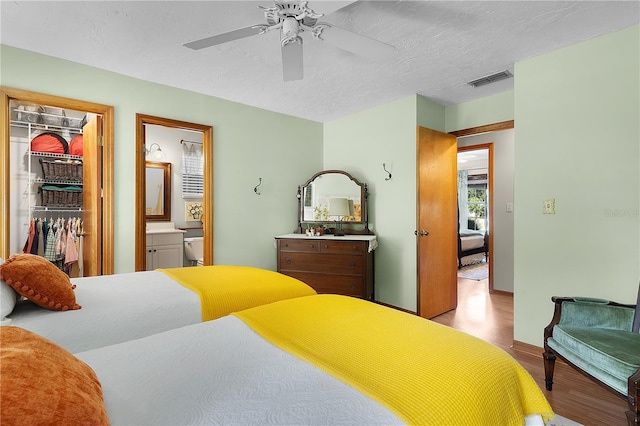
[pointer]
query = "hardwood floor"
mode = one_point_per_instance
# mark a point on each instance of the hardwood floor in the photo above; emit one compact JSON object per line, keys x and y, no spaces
{"x":490,"y":317}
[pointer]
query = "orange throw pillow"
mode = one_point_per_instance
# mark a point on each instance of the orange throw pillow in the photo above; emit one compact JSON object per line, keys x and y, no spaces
{"x":43,"y":384}
{"x":39,"y":280}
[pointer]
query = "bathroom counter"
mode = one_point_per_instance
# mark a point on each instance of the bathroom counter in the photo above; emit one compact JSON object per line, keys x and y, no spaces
{"x":163,"y":228}
{"x":165,"y":231}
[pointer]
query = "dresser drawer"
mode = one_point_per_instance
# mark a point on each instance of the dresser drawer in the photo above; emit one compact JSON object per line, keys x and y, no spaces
{"x":337,"y":265}
{"x":357,"y":248}
{"x":329,"y":264}
{"x":334,"y":284}
{"x":303,"y":246}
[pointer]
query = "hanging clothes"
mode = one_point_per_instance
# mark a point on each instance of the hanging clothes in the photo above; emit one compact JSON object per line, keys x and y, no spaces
{"x":71,"y":253}
{"x":61,"y":238}
{"x":34,"y":243}
{"x":40,"y":234}
{"x":50,"y":252}
{"x":32,"y":233}
{"x":79,"y":244}
{"x":45,"y":234}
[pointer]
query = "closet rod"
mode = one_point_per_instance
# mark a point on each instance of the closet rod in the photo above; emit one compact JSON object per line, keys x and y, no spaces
{"x":183,"y":141}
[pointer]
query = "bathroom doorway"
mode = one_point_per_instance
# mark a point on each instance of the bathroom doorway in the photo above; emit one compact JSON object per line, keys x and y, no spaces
{"x":147,"y":126}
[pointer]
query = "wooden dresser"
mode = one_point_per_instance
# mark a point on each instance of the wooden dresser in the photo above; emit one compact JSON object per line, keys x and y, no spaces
{"x":329,"y":264}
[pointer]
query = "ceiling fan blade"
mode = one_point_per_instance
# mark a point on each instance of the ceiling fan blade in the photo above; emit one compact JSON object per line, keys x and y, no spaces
{"x":224,"y":37}
{"x":353,"y":42}
{"x":292,"y":68}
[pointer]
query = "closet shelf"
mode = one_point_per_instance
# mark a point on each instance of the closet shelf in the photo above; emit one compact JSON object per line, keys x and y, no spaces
{"x":56,"y":209}
{"x":57,"y":182}
{"x":53,"y":155}
{"x":44,"y":127}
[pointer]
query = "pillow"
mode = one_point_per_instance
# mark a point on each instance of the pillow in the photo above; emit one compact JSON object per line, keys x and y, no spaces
{"x":8,"y":298}
{"x":40,"y":281}
{"x":44,"y":384}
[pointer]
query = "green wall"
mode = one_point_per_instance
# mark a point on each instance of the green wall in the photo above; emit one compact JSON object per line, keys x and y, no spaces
{"x":360,"y":144}
{"x":578,"y":141}
{"x":479,"y":112}
{"x":249,"y":143}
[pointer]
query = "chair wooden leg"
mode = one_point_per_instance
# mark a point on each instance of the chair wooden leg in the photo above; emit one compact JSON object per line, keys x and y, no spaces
{"x":549,"y":364}
{"x":633,"y":398}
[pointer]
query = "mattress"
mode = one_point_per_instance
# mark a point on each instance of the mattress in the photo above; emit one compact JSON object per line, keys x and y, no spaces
{"x":310,"y":360}
{"x":222,"y":372}
{"x":471,"y":242}
{"x":122,"y":307}
{"x":115,"y":308}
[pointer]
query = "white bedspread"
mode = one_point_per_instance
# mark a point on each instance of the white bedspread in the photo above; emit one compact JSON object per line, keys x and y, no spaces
{"x":115,"y":308}
{"x":222,"y":372}
{"x":472,"y":242}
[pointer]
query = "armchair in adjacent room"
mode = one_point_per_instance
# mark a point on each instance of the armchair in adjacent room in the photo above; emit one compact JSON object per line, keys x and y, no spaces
{"x":601,"y":339}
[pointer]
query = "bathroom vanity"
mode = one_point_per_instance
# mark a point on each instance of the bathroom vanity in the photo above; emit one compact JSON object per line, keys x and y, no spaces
{"x":165,"y":246}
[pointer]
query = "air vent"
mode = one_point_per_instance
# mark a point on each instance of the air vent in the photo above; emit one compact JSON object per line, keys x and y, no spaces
{"x":502,"y":75}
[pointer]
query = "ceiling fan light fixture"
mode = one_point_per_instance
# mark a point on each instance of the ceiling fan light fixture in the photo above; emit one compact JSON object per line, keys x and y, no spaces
{"x":502,"y":75}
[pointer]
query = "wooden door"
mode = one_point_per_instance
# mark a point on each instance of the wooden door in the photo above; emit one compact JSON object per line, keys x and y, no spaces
{"x":92,"y":197}
{"x":437,"y":222}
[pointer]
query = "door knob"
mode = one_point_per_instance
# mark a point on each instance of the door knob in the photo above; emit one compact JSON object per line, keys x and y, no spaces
{"x":424,"y":233}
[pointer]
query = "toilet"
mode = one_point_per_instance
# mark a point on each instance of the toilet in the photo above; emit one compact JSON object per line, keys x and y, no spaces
{"x":193,"y":250}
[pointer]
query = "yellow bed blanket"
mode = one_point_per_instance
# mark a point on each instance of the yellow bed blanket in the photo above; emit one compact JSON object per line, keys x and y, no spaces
{"x":224,"y":289}
{"x":424,"y":372}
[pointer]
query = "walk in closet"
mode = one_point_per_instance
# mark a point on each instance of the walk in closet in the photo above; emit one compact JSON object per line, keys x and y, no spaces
{"x":57,"y":181}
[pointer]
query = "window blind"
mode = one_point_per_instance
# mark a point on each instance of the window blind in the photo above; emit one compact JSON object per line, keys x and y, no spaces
{"x":192,"y":170}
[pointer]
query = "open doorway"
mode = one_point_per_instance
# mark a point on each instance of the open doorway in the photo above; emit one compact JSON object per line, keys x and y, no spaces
{"x":182,"y":137}
{"x":475,"y":208}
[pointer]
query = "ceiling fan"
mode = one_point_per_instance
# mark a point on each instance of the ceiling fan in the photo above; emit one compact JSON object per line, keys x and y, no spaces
{"x":293,"y":18}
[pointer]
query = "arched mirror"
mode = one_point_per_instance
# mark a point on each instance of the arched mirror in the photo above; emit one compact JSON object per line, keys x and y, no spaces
{"x":333,"y":197}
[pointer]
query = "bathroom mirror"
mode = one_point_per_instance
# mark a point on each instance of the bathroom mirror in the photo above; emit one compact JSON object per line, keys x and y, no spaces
{"x":333,"y":196}
{"x":158,"y":191}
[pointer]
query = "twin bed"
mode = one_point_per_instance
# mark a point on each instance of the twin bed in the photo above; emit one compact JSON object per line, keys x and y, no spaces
{"x":301,"y":359}
{"x":471,"y":242}
{"x":122,"y":307}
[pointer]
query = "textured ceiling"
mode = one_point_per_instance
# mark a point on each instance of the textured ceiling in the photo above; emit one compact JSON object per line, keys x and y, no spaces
{"x":440,"y":46}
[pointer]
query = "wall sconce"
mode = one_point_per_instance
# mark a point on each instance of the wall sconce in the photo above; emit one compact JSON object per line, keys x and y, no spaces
{"x":157,"y":155}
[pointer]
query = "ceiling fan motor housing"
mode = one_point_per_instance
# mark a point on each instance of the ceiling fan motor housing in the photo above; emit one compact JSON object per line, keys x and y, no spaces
{"x":290,"y":28}
{"x":291,"y":9}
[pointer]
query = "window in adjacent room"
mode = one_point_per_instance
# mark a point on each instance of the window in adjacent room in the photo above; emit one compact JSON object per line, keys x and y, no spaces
{"x":192,"y":170}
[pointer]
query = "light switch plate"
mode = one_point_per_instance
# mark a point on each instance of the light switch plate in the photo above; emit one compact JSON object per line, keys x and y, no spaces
{"x":549,"y":206}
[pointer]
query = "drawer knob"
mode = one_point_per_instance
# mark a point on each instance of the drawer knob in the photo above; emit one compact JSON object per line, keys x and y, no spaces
{"x":353,"y":286}
{"x":288,"y":261}
{"x":353,"y":265}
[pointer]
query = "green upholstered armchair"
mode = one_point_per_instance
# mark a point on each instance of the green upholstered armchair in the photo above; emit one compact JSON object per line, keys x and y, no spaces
{"x":601,"y":339}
